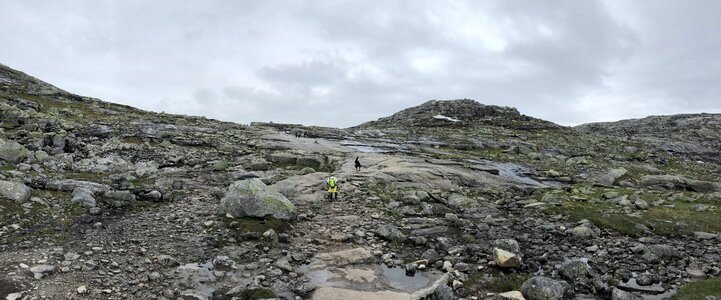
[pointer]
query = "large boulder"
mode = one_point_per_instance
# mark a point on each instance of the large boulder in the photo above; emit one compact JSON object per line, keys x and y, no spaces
{"x":13,"y":152}
{"x":542,"y":288}
{"x":252,"y":198}
{"x":14,"y":191}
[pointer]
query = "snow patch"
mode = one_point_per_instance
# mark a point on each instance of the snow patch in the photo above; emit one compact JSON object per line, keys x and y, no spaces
{"x":442,"y":117}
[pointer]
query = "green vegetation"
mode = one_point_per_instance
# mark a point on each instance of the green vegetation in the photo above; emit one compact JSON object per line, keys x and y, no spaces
{"x":599,"y":215}
{"x":699,"y":289}
{"x":255,"y":294}
{"x":681,"y":219}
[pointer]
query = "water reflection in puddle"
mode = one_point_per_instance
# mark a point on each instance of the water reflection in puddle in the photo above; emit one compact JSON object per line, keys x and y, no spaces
{"x":386,"y":278}
{"x":397,"y":278}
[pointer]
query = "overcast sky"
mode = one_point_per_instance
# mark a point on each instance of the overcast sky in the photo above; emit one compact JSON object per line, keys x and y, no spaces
{"x":341,"y":63}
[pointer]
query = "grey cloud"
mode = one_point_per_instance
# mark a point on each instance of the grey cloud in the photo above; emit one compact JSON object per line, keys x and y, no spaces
{"x":340,"y":63}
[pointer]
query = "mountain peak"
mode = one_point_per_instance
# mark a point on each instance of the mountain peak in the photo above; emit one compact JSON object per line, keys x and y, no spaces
{"x":456,"y":113}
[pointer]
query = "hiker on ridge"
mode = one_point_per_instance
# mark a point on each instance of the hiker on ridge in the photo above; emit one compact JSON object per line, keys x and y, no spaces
{"x":332,"y":184}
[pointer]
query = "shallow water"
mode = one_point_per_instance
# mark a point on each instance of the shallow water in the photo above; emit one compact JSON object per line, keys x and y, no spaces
{"x":360,"y":147}
{"x":387,"y":278}
{"x":647,"y":296}
{"x":396,"y":277}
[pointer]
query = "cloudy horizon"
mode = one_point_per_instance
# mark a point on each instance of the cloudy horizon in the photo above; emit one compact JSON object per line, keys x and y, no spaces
{"x":342,"y":63}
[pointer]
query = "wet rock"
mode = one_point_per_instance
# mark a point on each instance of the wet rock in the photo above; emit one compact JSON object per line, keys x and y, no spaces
{"x":506,"y":259}
{"x":15,"y":191}
{"x":390,"y":232}
{"x":223,"y":263}
{"x":252,"y":198}
{"x":542,"y":288}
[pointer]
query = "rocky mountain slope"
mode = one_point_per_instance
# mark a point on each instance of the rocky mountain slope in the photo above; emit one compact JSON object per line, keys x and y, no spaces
{"x":454,"y":200}
{"x":693,"y":135}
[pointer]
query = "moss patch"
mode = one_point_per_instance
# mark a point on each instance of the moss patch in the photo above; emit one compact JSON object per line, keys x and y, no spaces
{"x":258,"y":294}
{"x":599,"y":215}
{"x":699,"y":289}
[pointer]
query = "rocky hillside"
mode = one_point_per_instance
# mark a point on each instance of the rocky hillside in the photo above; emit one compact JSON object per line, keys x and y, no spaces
{"x":462,"y":113}
{"x":454,"y":200}
{"x":694,"y":135}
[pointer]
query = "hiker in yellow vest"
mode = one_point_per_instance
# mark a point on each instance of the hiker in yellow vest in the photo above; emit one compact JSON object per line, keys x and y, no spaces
{"x":332,"y":184}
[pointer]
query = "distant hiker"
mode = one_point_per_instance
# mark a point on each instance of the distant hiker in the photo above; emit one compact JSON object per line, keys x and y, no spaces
{"x":332,"y":184}
{"x":357,"y":164}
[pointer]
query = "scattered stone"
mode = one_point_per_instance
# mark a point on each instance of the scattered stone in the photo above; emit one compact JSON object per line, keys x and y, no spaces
{"x":506,"y":259}
{"x":42,"y":270}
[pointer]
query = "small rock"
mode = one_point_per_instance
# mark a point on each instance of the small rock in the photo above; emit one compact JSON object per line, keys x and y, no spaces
{"x":42,"y":270}
{"x":506,"y":259}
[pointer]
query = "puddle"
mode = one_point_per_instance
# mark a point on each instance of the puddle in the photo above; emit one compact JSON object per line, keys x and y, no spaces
{"x":369,"y":277}
{"x":647,"y":292}
{"x":398,"y":279}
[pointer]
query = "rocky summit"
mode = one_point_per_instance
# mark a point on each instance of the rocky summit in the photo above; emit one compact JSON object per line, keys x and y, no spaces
{"x":453,"y":200}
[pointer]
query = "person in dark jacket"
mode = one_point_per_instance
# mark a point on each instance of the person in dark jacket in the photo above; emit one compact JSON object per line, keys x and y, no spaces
{"x":357,"y":164}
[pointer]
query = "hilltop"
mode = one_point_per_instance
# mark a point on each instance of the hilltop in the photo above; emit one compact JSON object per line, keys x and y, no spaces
{"x":458,"y":113}
{"x":455,"y":199}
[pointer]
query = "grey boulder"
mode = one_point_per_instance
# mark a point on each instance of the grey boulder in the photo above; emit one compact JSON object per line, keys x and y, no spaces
{"x":14,"y":191}
{"x":252,"y":198}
